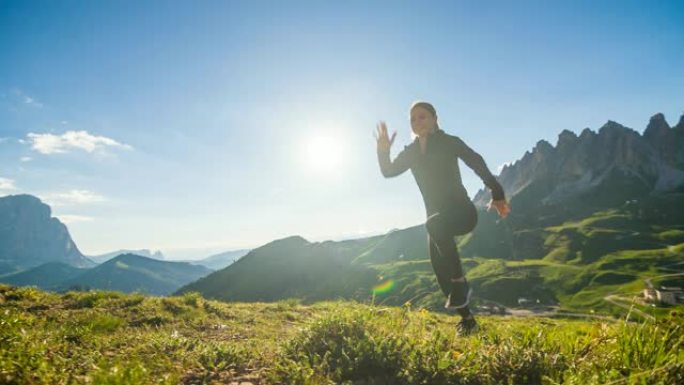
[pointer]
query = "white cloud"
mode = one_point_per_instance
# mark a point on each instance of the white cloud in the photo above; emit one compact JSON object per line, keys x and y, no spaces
{"x":73,"y":197}
{"x":7,"y":184}
{"x":22,"y":97}
{"x":72,"y":140}
{"x":32,"y":101}
{"x":68,"y":218}
{"x":25,"y":159}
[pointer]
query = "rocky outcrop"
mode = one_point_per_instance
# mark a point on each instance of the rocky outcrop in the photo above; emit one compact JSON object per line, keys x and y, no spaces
{"x":30,"y":236}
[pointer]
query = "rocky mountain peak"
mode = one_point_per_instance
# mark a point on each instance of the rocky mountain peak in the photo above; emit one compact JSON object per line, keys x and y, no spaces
{"x":566,"y":138}
{"x":657,"y":127}
{"x":613,"y":132}
{"x":612,"y":128}
{"x":543,"y":147}
{"x":30,"y":236}
{"x":24,"y":203}
{"x":658,"y":118}
{"x":586,"y":133}
{"x":680,"y":125}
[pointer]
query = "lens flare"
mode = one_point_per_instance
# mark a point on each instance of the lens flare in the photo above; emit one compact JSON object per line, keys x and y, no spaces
{"x":384,"y":287}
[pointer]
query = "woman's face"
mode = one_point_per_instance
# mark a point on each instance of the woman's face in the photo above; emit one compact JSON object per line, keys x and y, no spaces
{"x":422,"y":121}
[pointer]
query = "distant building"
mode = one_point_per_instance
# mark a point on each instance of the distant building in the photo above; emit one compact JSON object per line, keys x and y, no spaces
{"x":491,"y":309}
{"x":650,"y":295}
{"x":677,"y":293}
{"x":665,"y":295}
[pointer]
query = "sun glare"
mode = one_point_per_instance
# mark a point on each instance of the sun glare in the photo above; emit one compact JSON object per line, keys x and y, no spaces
{"x":324,"y":153}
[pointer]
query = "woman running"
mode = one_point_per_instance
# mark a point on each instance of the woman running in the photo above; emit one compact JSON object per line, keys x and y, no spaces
{"x":432,"y":158}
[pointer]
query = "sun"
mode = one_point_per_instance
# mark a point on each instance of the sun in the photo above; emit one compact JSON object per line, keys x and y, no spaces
{"x":323,"y":153}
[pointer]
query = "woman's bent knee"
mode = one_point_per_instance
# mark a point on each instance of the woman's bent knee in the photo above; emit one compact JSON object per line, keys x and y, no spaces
{"x":469,"y":220}
{"x":458,"y":220}
{"x":436,"y":227}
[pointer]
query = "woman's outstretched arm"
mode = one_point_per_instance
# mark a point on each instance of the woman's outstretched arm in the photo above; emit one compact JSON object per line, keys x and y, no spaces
{"x":477,"y":163}
{"x":387,"y":167}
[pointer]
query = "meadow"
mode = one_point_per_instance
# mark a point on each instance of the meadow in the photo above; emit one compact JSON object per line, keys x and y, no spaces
{"x":106,"y":337}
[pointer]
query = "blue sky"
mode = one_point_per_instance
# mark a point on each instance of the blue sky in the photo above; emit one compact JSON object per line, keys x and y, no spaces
{"x":188,"y":127}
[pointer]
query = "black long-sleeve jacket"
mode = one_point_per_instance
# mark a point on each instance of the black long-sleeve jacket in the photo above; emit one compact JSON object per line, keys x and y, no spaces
{"x":436,"y":171}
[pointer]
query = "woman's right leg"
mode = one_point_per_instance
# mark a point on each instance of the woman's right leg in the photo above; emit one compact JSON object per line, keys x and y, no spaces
{"x":440,"y":266}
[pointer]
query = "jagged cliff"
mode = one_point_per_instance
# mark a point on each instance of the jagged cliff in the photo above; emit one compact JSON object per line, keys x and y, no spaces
{"x":615,"y":162}
{"x":30,"y":236}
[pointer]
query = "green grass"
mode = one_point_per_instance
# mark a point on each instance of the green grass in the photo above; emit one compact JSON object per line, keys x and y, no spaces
{"x":671,"y":235}
{"x":113,"y":338}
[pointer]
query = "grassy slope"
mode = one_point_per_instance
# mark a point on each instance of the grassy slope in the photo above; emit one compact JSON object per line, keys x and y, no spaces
{"x":115,"y":338}
{"x":291,"y":267}
{"x":129,"y":272}
{"x":47,"y":276}
{"x":583,"y":261}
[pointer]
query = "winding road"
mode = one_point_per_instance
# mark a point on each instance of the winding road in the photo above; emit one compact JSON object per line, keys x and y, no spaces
{"x":614,"y":299}
{"x":623,"y":302}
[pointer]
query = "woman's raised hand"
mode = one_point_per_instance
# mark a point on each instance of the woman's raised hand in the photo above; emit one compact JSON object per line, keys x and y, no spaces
{"x":384,"y":141}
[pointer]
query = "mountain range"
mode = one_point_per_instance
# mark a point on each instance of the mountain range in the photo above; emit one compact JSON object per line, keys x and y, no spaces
{"x":142,"y":252}
{"x":596,"y":213}
{"x":130,"y":272}
{"x":608,"y":166}
{"x":213,"y":262}
{"x":221,"y":260}
{"x":37,"y":249}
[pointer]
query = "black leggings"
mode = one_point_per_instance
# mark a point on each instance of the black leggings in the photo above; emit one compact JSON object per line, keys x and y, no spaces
{"x":442,"y":227}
